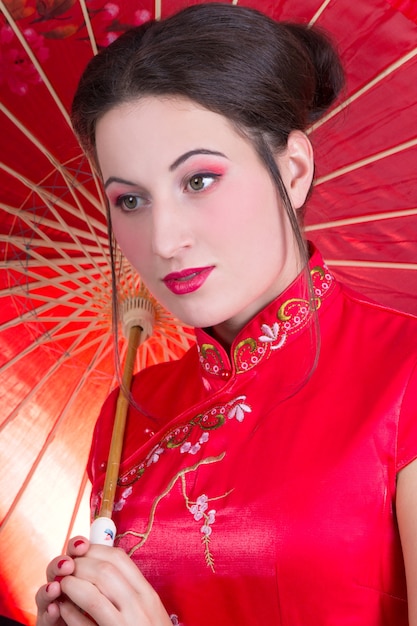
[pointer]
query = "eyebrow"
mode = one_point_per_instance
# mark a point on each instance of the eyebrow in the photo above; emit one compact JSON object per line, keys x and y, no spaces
{"x":191,"y":153}
{"x":172,"y":167}
{"x":116,"y":179}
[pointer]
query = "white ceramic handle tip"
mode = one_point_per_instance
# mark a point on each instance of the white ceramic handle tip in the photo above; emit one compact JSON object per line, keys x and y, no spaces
{"x":103,"y":531}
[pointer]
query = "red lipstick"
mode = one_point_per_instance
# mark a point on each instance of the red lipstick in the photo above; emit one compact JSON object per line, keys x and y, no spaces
{"x":188,"y":280}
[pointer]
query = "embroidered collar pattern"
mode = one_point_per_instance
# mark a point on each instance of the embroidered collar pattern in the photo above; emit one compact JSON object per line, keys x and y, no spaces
{"x":271,"y":330}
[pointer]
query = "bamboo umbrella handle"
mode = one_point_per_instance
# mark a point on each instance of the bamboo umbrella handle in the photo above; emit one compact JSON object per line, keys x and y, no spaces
{"x":103,"y":529}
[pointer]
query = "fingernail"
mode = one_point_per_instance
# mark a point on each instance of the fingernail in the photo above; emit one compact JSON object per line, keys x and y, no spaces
{"x":47,"y":587}
{"x":78,"y":543}
{"x":61,"y":563}
{"x":58,"y":579}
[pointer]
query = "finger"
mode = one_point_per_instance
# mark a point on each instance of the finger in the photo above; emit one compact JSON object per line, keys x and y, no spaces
{"x":101,"y":589}
{"x":118,"y":559}
{"x":59,"y":567}
{"x":74,"y":616}
{"x":106,"y":576}
{"x":48,"y":610}
{"x":93,"y":606}
{"x":78,"y":546}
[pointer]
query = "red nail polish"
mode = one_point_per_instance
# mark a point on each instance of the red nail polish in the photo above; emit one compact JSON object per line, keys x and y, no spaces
{"x":78,"y":543}
{"x":61,"y":563}
{"x":47,"y":587}
{"x":58,"y":579}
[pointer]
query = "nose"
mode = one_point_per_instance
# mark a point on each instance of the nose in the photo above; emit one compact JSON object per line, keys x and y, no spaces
{"x":171,"y":229}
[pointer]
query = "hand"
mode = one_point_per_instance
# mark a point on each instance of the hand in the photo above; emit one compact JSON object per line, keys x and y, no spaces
{"x":101,"y":585}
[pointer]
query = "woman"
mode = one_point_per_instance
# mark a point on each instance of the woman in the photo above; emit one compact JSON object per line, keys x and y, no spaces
{"x":268,"y":477}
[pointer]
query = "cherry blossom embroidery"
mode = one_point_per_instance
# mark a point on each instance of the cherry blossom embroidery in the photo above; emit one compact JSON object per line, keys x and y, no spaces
{"x":199,"y":511}
{"x":154,"y":455}
{"x":118,"y":506}
{"x":193,"y":449}
{"x":271,"y":334}
{"x":239,"y":409}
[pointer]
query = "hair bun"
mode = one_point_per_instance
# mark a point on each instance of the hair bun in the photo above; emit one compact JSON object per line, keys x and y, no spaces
{"x":329,"y":72}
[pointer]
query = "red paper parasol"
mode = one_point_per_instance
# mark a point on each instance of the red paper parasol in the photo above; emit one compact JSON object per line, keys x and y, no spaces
{"x":55,"y":332}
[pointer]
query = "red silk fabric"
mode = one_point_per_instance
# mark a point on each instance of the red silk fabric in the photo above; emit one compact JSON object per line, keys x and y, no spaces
{"x":266,"y":494}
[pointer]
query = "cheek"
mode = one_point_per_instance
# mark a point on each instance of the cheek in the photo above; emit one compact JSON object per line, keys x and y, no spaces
{"x":131,"y":239}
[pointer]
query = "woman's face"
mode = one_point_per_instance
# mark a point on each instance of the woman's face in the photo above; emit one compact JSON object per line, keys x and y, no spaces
{"x":195,"y":212}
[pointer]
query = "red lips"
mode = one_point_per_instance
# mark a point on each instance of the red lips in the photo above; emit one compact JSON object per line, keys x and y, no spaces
{"x":187,"y":280}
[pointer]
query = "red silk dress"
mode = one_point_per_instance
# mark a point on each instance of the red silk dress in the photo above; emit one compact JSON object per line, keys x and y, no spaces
{"x":258,"y":487}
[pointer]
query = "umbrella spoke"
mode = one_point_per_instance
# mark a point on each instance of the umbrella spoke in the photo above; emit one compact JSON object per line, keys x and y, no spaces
{"x":50,"y":263}
{"x":361,"y":219}
{"x":52,"y":434}
{"x":365,"y":88}
{"x":84,"y":486}
{"x":21,"y":264}
{"x":372,"y":264}
{"x":22,"y":242}
{"x":87,"y":21}
{"x":45,"y":195}
{"x":41,"y":382}
{"x":157,"y":9}
{"x":366,"y":161}
{"x":32,"y":220}
{"x":60,"y":224}
{"x":319,"y":11}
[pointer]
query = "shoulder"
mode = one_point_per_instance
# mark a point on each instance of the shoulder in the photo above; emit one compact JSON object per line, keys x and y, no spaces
{"x":374,"y":318}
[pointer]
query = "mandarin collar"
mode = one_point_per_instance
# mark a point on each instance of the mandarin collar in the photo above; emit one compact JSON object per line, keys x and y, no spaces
{"x":272,"y":329}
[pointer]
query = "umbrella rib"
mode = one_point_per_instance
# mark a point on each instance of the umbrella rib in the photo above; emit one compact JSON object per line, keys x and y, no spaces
{"x":50,"y":437}
{"x":44,"y":194}
{"x":157,"y":9}
{"x":319,"y":12}
{"x":75,"y":509}
{"x":40,"y":383}
{"x":366,"y":161}
{"x":360,"y":92}
{"x":57,"y":246}
{"x":19,"y":291}
{"x":37,"y":315}
{"x":372,"y":264}
{"x":29,"y":219}
{"x":38,"y":341}
{"x":361,"y":219}
{"x":69,"y":179}
{"x":87,"y":21}
{"x":50,"y":263}
{"x":17,"y":263}
{"x":35,"y":62}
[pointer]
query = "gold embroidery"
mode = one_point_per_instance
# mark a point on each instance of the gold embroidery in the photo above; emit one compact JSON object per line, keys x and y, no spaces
{"x":144,"y":535}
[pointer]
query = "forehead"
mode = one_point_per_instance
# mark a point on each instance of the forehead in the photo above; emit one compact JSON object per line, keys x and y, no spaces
{"x":162,"y":128}
{"x":155,"y":114}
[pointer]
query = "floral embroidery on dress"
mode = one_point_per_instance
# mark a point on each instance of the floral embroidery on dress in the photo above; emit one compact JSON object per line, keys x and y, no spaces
{"x":199,"y":512}
{"x":118,"y":506}
{"x":292,"y":316}
{"x":190,"y":437}
{"x":210,"y":358}
{"x":193,"y":449}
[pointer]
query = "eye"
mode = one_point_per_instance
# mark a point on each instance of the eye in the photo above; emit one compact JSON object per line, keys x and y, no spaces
{"x":130,"y":202}
{"x":200,"y":182}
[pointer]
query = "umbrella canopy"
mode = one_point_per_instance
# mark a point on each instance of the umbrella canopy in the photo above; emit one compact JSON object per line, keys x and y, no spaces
{"x":56,"y":363}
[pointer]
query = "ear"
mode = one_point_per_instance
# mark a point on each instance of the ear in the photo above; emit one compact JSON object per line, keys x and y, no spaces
{"x":296,"y":165}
